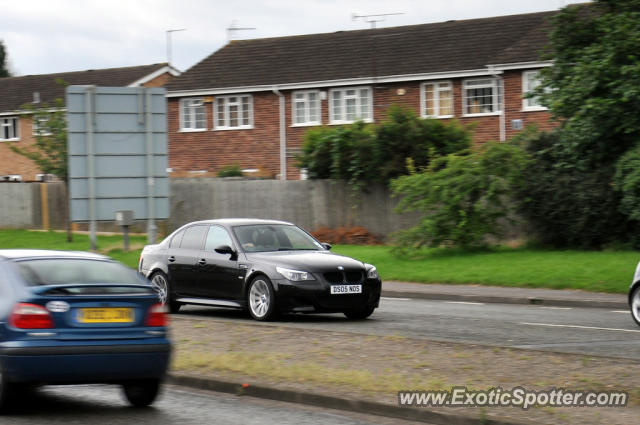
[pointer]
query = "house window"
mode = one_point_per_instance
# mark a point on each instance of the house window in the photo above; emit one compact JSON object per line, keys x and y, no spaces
{"x":233,"y":112}
{"x":9,"y":129}
{"x":482,"y":96}
{"x":437,"y":99}
{"x":40,"y":126}
{"x":192,"y":115}
{"x":351,"y":104}
{"x":306,"y":107}
{"x":531,"y":80}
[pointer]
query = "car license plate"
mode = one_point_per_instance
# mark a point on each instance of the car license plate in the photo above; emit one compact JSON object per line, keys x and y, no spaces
{"x":105,"y":315}
{"x":346,"y":289}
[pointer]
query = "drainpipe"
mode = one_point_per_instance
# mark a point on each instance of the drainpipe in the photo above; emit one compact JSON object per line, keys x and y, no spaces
{"x":503,"y":129}
{"x":283,"y":134}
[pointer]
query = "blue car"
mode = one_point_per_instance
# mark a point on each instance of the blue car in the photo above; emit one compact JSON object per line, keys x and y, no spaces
{"x":75,"y":318}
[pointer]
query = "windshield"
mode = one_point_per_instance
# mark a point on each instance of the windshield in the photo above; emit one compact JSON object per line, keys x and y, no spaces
{"x":275,"y":237}
{"x":64,"y":271}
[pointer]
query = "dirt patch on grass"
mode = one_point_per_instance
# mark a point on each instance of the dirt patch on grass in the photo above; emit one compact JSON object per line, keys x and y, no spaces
{"x":377,"y":367}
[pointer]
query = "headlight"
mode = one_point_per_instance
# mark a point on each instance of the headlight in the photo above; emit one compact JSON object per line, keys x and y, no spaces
{"x":372,"y":272}
{"x":294,"y":275}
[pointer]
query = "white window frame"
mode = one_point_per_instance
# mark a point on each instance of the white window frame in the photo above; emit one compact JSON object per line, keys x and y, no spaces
{"x":343,"y":114}
{"x":496,"y":96}
{"x":438,"y":86}
{"x":307,"y":106}
{"x":13,"y":122}
{"x":187,"y":107}
{"x":526,"y":88}
{"x":224,"y":100}
{"x":35,"y":124}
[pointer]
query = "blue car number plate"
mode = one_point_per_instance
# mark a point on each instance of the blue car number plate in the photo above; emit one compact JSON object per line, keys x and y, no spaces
{"x":346,"y":289}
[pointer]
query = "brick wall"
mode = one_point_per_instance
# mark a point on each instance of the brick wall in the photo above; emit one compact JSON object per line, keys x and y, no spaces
{"x":204,"y":153}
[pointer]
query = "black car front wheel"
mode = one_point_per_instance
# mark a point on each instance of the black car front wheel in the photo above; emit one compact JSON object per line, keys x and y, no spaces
{"x":261,"y":299}
{"x":141,"y":393}
{"x":359,"y":313}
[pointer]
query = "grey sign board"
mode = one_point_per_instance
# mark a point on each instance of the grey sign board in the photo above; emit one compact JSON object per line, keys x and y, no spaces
{"x":117,"y":146}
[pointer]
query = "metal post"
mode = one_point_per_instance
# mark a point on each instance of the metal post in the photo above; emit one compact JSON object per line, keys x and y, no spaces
{"x":89,"y":122}
{"x":151,"y":226}
{"x":125,"y":237}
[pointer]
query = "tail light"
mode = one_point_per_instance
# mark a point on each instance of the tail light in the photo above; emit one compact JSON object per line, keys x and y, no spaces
{"x":157,"y":316}
{"x":30,"y":316}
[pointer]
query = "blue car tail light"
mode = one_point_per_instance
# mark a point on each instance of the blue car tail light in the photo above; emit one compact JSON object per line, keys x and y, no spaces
{"x":30,"y":316}
{"x":157,"y":316}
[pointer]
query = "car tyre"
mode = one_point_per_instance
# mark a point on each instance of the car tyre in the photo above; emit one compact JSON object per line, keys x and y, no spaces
{"x":359,"y":313}
{"x":160,"y":281}
{"x":141,"y":393}
{"x":7,"y":393}
{"x":261,"y":299}
{"x":635,"y":305}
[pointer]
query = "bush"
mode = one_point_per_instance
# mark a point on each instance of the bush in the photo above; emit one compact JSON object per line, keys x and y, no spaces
{"x":230,"y":171}
{"x":362,"y":154}
{"x":346,"y":235}
{"x":462,"y":197}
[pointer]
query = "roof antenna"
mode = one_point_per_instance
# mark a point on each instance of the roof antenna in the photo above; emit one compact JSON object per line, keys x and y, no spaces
{"x":233,"y":28}
{"x":373,"y":19}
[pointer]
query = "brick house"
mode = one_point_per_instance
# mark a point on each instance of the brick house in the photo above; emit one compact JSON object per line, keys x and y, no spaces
{"x":251,"y":102}
{"x":16,"y":126}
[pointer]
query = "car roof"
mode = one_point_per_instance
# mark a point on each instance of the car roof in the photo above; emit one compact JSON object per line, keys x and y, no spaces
{"x":24,"y":254}
{"x":241,"y":221}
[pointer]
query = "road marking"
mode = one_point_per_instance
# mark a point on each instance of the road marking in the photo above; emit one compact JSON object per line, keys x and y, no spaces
{"x":462,"y":302}
{"x":396,"y":299}
{"x":557,"y":308}
{"x":579,"y":327}
{"x":620,"y":311}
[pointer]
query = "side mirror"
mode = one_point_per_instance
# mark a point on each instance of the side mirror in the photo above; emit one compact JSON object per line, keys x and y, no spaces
{"x":226,"y":249}
{"x":326,"y":246}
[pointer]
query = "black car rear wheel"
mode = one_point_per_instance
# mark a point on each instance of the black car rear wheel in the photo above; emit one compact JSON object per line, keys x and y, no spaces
{"x":359,"y":313}
{"x":160,"y":281}
{"x":7,"y":391}
{"x":141,"y":393}
{"x":261,"y":299}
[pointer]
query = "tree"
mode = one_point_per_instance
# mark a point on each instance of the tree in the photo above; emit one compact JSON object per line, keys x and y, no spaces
{"x":593,"y":86}
{"x":463,"y":197}
{"x":4,"y":69}
{"x":49,"y":150}
{"x":593,"y":89}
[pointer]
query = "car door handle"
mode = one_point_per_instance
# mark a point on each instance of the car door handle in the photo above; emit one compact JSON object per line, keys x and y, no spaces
{"x":172,"y":259}
{"x":202,"y":262}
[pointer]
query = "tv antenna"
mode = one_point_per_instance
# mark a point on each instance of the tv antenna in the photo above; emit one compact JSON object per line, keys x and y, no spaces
{"x":373,"y":19}
{"x":233,"y":28}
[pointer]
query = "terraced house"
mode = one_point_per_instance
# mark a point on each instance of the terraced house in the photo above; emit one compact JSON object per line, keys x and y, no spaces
{"x":251,"y":102}
{"x":17,"y":125}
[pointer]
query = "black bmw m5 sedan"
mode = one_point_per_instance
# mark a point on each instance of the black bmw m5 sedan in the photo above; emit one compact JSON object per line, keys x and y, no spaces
{"x":264,"y":266}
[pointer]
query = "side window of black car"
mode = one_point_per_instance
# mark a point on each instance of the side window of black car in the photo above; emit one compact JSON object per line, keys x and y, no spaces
{"x":216,"y":237}
{"x":193,"y":237}
{"x":175,"y":241}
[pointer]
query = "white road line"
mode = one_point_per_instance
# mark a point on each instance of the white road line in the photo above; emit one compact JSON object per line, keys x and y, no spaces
{"x":579,"y":327}
{"x":396,"y":299}
{"x":620,"y":311}
{"x":462,"y":302}
{"x":557,"y":308}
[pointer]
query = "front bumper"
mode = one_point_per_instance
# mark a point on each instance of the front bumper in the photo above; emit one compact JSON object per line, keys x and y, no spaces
{"x":315,"y":297}
{"x":69,"y":363}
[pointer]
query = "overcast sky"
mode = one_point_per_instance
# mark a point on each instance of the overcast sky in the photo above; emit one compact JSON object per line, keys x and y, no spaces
{"x":48,"y":36}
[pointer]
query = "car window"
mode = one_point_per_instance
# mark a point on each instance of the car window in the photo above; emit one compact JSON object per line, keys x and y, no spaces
{"x":216,"y":237}
{"x":63,"y":271}
{"x":279,"y":237}
{"x":193,"y":237}
{"x":175,"y":241}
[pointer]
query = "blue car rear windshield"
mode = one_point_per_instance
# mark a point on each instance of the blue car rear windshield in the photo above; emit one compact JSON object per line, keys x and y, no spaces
{"x":67,"y":271}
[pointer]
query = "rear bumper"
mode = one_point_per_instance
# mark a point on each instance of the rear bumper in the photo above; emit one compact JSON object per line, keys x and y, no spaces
{"x":85,"y":363}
